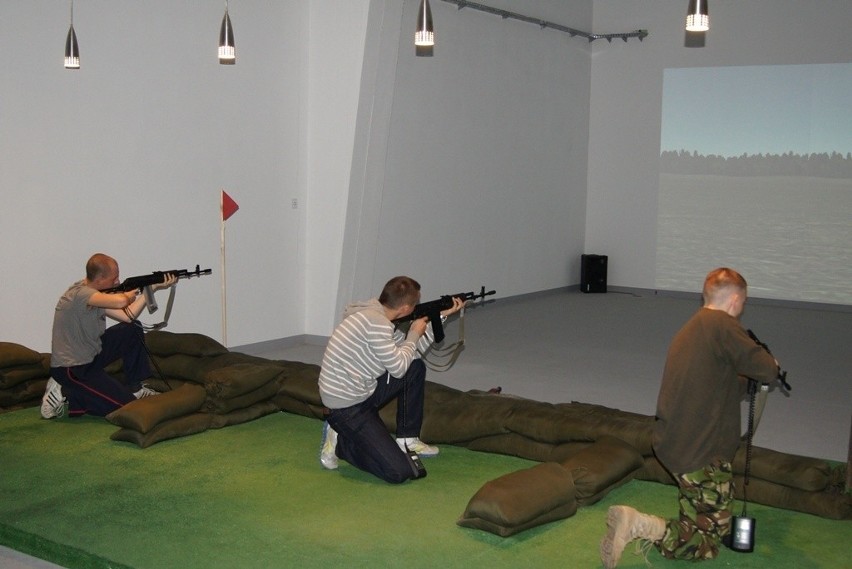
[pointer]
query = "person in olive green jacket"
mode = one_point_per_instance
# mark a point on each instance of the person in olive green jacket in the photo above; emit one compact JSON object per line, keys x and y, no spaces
{"x":697,"y":429}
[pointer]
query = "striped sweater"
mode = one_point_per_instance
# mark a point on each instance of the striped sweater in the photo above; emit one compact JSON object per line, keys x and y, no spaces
{"x":361,"y":349}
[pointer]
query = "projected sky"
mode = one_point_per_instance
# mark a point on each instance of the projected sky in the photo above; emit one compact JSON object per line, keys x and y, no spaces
{"x":729,"y":111}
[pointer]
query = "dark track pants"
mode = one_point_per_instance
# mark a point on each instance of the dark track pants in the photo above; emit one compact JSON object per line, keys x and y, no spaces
{"x":90,"y":389}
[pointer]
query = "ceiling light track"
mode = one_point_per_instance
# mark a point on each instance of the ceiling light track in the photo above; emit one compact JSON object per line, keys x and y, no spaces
{"x":506,"y":15}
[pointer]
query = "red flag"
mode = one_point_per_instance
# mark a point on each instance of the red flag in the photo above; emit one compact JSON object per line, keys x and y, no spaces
{"x":229,"y":206}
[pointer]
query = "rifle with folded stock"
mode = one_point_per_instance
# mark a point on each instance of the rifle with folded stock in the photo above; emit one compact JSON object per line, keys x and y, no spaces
{"x":432,"y":310}
{"x":782,"y":374}
{"x":758,"y":398}
{"x":144,"y":282}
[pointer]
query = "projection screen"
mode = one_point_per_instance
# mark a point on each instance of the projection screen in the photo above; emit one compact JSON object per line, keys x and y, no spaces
{"x":756,"y":174}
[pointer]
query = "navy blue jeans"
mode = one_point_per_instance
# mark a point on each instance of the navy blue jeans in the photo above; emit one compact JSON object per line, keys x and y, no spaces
{"x":90,"y":389}
{"x":362,"y":438}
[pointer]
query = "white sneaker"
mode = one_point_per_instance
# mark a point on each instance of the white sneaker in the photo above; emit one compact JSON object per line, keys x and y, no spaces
{"x":145,"y":392}
{"x":328,"y":457}
{"x":417,"y":446}
{"x":52,"y":402}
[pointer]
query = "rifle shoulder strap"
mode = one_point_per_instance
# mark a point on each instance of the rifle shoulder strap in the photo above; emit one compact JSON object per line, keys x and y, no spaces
{"x":165,"y":322}
{"x":760,"y":403}
{"x":445,"y":357}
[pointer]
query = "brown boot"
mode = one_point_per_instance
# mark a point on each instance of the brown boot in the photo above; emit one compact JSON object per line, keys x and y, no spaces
{"x":624,"y":525}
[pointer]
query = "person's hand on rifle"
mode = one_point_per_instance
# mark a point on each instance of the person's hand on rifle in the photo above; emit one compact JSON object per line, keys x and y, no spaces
{"x":417,"y":328}
{"x":458,"y":304}
{"x":171,"y":279}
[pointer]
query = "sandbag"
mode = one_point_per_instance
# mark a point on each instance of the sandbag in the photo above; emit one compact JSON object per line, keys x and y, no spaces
{"x":521,"y":500}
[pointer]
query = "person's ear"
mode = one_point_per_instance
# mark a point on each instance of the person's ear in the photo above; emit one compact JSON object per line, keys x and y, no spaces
{"x":734,"y":307}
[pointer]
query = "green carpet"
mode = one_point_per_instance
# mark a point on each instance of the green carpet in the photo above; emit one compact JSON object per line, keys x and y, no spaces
{"x":254,"y":495}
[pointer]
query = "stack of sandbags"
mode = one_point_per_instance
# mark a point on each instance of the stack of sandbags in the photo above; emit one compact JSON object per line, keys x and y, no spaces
{"x":23,"y":375}
{"x":557,"y":433}
{"x":507,"y":424}
{"x":237,"y":387}
{"x":241,"y":391}
{"x":793,"y":482}
{"x":171,"y":414}
{"x":203,"y":385}
{"x":299,"y":391}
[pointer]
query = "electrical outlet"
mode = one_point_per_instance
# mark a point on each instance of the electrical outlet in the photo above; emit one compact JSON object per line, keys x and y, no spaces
{"x":294,"y":203}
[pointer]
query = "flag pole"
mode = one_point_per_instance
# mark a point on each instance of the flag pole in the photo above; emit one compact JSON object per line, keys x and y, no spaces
{"x":222,"y":267}
{"x":227,"y":206}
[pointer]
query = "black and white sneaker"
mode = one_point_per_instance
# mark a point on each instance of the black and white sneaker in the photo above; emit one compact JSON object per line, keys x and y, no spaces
{"x":145,"y":392}
{"x":52,"y":402}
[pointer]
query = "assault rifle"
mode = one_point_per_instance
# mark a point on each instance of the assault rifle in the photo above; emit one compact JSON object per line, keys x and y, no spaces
{"x":433,"y":309}
{"x":782,"y":374}
{"x":758,"y":400}
{"x":144,"y":282}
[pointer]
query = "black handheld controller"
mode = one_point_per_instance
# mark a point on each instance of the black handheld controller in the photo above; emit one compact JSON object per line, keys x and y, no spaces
{"x":417,"y":464}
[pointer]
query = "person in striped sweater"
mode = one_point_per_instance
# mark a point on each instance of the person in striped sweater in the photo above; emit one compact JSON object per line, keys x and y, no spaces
{"x":367,"y":364}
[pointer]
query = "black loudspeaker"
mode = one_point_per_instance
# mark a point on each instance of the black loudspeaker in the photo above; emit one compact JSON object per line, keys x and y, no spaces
{"x":593,"y":273}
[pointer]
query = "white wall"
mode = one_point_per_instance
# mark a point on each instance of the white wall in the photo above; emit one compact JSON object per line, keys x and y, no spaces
{"x":626,"y":99}
{"x":337,"y":32}
{"x":127,"y":156}
{"x":470,"y":164}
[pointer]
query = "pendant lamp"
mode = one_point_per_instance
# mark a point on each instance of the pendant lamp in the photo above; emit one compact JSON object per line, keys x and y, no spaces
{"x":425,"y":33}
{"x":227,"y":52}
{"x":72,"y":52}
{"x":697,"y":17}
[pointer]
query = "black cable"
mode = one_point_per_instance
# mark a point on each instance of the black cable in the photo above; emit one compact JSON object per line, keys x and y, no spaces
{"x":752,"y":391}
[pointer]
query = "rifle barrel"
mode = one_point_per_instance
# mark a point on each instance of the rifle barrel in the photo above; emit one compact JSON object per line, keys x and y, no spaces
{"x":446,"y":301}
{"x":156,"y":277}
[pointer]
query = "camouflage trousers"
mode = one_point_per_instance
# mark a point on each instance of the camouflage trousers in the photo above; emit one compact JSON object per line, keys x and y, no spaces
{"x":705,"y":499}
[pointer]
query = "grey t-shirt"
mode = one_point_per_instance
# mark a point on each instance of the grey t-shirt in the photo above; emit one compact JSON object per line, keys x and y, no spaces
{"x":77,"y":327}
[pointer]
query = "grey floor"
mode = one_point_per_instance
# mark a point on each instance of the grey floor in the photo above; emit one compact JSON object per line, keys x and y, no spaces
{"x":609,"y":349}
